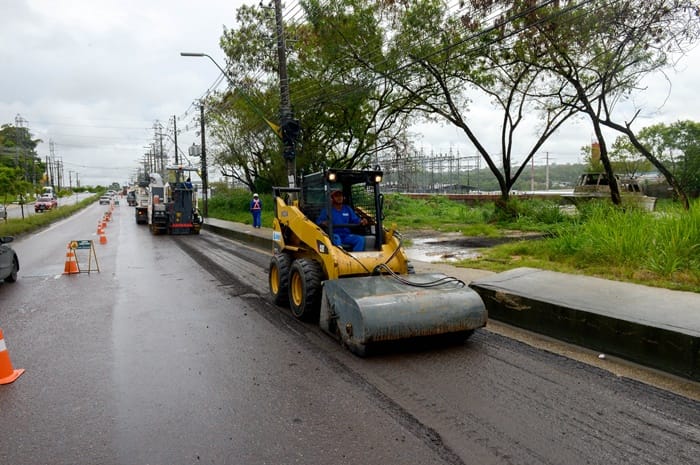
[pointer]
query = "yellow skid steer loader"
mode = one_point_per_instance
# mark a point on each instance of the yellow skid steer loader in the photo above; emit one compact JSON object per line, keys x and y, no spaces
{"x":362,"y":297}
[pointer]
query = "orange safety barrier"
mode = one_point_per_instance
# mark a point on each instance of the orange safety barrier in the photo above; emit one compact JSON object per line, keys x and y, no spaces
{"x":7,"y":373}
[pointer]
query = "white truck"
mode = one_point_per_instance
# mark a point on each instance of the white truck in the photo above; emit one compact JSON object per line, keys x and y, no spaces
{"x":141,"y":200}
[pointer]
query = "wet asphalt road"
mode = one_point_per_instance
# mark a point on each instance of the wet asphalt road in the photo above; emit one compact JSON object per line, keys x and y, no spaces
{"x":172,"y":354}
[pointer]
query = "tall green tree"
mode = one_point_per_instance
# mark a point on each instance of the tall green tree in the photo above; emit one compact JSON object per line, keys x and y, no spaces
{"x":18,"y":150}
{"x":677,"y":145}
{"x":626,"y":159}
{"x":345,"y":114}
{"x":13,"y":185}
{"x":440,"y":62}
{"x":603,"y":50}
{"x":248,"y":148}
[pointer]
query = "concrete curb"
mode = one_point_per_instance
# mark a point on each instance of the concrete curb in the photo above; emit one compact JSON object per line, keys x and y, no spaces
{"x":252,"y":236}
{"x":655,"y":327}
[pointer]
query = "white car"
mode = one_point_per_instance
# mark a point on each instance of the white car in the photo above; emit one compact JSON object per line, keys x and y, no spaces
{"x":105,"y":199}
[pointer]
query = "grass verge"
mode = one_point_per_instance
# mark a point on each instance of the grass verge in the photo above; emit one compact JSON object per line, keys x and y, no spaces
{"x":30,"y":223}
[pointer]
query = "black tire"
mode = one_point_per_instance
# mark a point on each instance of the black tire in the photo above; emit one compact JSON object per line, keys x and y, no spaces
{"x":13,"y":274}
{"x":278,"y":278}
{"x":305,"y":289}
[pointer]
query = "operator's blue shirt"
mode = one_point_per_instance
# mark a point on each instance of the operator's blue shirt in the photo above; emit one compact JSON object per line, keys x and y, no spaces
{"x":345,"y":215}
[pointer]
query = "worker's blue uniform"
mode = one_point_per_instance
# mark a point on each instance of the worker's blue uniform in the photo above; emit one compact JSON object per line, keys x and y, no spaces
{"x":256,"y":210}
{"x":343,"y":236}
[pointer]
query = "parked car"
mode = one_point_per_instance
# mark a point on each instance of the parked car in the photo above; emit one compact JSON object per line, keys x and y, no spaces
{"x":9,"y":263}
{"x":45,"y":203}
{"x":3,"y":212}
{"x":105,"y":199}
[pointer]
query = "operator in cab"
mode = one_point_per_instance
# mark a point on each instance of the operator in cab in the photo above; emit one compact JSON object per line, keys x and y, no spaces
{"x":343,"y":214}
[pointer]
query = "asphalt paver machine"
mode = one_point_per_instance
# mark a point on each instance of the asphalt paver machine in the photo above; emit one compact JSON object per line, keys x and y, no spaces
{"x":172,"y":207}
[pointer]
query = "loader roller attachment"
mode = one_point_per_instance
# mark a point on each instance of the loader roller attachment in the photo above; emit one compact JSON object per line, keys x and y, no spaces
{"x":366,"y":310}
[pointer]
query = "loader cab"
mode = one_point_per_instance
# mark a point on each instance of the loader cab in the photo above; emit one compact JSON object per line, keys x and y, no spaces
{"x":361,"y":192}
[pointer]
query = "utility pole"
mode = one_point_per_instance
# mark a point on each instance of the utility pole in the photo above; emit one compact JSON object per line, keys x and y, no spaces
{"x":289,"y":126}
{"x":158,"y":156}
{"x":205,"y":179}
{"x":52,"y":169}
{"x":60,"y":176}
{"x":177,"y":159}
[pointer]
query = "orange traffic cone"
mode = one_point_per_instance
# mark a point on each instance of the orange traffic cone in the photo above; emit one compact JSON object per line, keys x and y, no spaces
{"x":103,"y":238}
{"x":71,"y":266}
{"x":7,"y":373}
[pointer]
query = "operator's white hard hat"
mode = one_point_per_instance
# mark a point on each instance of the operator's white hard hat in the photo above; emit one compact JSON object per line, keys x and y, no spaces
{"x":255,"y":195}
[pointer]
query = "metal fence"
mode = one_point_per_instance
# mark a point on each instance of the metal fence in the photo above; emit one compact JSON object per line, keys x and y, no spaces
{"x":441,"y":173}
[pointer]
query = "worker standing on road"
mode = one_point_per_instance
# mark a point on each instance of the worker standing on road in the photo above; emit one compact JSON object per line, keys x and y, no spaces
{"x":256,"y":210}
{"x":342,"y":214}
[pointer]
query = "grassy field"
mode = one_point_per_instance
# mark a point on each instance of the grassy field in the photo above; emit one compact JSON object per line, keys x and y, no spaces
{"x":659,"y":249}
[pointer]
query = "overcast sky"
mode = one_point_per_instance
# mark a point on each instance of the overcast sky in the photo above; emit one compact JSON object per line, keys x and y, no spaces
{"x":93,"y":76}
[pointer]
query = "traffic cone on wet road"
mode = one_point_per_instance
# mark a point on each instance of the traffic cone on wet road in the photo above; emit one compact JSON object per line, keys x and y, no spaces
{"x":7,"y":373}
{"x":71,"y":266}
{"x":103,"y":238}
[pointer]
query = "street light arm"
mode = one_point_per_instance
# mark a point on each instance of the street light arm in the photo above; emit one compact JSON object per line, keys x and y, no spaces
{"x":199,"y":54}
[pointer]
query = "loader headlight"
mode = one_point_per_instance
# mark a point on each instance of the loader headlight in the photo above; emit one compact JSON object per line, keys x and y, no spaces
{"x":378,"y":178}
{"x":331,"y":176}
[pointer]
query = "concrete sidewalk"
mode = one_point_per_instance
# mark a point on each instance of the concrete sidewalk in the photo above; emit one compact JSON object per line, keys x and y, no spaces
{"x":655,"y":327}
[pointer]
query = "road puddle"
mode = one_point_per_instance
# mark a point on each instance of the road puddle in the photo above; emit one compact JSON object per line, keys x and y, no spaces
{"x":431,"y":246}
{"x":432,"y":249}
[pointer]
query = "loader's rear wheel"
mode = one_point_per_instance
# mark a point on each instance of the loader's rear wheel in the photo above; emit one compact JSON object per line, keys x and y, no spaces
{"x":278,"y":278}
{"x":305,"y":288}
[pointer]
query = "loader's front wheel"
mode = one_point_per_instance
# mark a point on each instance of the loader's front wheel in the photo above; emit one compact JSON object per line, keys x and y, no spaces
{"x":305,"y":288}
{"x":278,"y":278}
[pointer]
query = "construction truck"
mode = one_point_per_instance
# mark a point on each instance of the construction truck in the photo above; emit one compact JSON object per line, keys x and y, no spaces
{"x":141,"y":201}
{"x":172,"y":206}
{"x":366,"y":297}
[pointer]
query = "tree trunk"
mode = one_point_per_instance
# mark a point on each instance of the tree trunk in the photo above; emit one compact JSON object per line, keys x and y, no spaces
{"x":614,"y":186}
